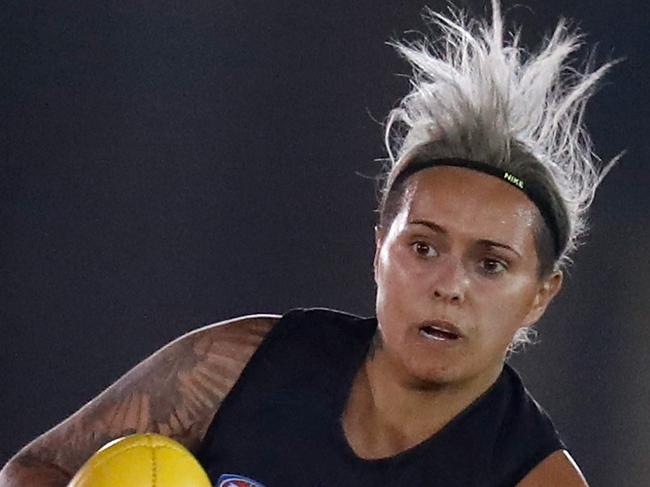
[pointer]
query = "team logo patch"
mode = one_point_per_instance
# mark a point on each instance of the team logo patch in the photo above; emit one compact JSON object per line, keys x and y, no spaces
{"x":231,"y":480}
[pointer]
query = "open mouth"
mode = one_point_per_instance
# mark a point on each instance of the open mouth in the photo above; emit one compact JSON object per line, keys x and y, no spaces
{"x":440,"y":333}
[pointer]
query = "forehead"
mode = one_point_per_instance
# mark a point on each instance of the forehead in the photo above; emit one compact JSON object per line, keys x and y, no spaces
{"x":470,"y":203}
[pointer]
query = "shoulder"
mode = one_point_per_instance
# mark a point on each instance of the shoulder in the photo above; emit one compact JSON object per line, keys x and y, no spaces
{"x":326,"y":328}
{"x":219,"y":350}
{"x":556,"y":469}
{"x":238,"y":331}
{"x":527,"y":437}
{"x":331,"y":318}
{"x":323,"y":314}
{"x":531,"y":418}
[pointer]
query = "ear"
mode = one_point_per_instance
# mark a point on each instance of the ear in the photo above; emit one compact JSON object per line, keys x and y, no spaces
{"x":379,"y":238}
{"x":548,"y":288}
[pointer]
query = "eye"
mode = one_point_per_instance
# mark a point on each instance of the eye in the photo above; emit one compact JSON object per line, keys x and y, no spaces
{"x":493,"y":267}
{"x":423,"y":249}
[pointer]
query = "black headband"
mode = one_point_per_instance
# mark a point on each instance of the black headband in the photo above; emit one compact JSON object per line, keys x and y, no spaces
{"x":537,"y":193}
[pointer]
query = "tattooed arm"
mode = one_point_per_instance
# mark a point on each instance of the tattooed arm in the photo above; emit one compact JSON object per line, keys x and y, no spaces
{"x":175,"y":392}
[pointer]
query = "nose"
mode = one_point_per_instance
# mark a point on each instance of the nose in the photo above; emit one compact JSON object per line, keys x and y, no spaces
{"x":449,"y":282}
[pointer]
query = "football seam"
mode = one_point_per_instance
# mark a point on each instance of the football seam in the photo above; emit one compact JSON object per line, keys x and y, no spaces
{"x":151,"y":443}
{"x":154,"y":470}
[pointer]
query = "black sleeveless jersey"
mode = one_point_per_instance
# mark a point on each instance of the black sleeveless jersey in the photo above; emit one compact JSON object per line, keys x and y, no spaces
{"x":280,"y":424}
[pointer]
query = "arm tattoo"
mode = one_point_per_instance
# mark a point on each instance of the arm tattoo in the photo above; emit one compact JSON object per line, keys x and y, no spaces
{"x":175,"y":392}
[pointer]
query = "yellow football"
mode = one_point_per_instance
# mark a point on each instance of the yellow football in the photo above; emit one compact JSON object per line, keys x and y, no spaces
{"x":142,"y":460}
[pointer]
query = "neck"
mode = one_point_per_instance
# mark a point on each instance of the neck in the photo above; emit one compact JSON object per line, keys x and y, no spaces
{"x":388,"y":412}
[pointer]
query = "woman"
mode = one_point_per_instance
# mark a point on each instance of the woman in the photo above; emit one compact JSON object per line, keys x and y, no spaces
{"x":491,"y":174}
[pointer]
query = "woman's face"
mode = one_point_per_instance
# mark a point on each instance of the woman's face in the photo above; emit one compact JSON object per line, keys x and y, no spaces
{"x":456,"y":276}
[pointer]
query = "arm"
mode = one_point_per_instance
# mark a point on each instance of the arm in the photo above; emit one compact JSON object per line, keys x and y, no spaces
{"x":175,"y":392}
{"x":556,"y":469}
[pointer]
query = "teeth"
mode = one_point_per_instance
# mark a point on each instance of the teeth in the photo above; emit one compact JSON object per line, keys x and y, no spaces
{"x":437,"y":333}
{"x":432,"y":337}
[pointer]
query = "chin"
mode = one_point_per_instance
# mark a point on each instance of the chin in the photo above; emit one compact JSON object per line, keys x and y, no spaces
{"x":448,"y":369}
{"x":427,"y":374}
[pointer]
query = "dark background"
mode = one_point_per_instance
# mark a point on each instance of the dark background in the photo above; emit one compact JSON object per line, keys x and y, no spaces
{"x":171,"y":164}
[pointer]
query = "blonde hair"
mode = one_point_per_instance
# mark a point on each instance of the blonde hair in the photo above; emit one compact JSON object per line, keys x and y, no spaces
{"x":481,"y":97}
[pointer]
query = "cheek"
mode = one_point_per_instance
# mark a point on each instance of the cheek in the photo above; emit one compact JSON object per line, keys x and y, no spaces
{"x":505,"y":305}
{"x":397,"y":263}
{"x":393,"y":281}
{"x":395,"y":275}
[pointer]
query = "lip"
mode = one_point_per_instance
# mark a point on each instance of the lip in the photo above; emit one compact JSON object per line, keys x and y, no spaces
{"x":442,"y":325}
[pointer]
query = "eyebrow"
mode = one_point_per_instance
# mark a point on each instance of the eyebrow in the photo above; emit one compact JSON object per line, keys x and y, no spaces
{"x":483,"y":242}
